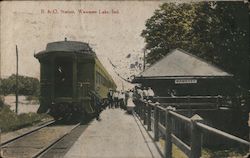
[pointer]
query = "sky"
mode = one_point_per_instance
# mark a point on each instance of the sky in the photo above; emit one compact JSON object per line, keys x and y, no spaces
{"x":112,"y":28}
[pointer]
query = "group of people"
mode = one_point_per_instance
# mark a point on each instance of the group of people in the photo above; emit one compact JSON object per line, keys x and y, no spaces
{"x":117,"y":99}
{"x":145,"y":93}
{"x":124,"y":99}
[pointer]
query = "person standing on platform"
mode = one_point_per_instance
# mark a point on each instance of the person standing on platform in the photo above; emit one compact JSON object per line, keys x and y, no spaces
{"x":130,"y":104}
{"x":116,"y":99}
{"x":151,"y":94}
{"x":110,"y":98}
{"x":122,"y":102}
{"x":140,"y":93}
{"x":126,"y":97}
{"x":145,"y":93}
{"x":119,"y":99}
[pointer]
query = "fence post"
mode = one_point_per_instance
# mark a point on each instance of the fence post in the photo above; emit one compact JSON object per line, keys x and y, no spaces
{"x":144,"y":112}
{"x":168,"y":137}
{"x":149,"y":115}
{"x":1,"y":153}
{"x":140,"y":109}
{"x":189,"y":107}
{"x":195,"y":137}
{"x":156,"y":120}
{"x":249,"y":127}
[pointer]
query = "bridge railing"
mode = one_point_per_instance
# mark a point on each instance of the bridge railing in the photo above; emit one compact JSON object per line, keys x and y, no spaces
{"x":150,"y":114}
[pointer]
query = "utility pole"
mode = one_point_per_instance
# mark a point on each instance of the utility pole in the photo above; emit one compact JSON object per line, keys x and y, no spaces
{"x":16,"y":80}
{"x":122,"y":86}
{"x":144,"y":58}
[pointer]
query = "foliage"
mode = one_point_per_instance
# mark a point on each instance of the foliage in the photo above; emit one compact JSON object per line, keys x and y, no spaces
{"x":9,"y":121}
{"x":26,"y":85}
{"x":210,"y":153}
{"x":236,"y":153}
{"x":1,"y":101}
{"x":215,"y":31}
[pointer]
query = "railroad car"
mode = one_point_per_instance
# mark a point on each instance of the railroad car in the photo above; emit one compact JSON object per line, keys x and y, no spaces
{"x":72,"y":79}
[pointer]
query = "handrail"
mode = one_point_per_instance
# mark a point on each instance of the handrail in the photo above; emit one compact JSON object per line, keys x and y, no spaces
{"x":221,"y":133}
{"x":144,"y":109}
{"x":181,"y":117}
{"x":188,"y":97}
{"x":161,"y":108}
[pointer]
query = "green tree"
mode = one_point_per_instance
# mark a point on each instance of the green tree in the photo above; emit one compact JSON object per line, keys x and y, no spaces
{"x":27,"y":85}
{"x":215,"y":31}
{"x":168,"y":28}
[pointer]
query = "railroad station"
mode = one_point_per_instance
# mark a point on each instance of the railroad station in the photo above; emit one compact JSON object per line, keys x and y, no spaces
{"x":85,"y":80}
{"x":185,"y":74}
{"x":152,"y":126}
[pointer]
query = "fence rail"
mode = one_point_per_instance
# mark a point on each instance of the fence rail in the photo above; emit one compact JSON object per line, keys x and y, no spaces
{"x":150,"y":112}
{"x":193,"y":102}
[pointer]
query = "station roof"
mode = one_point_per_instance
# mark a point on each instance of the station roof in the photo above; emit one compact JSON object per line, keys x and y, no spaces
{"x":179,"y":63}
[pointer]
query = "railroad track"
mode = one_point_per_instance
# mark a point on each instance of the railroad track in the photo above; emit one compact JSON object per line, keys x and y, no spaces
{"x":26,"y":133}
{"x":37,"y":142}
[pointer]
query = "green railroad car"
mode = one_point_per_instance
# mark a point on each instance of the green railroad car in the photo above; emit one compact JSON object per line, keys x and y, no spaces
{"x":72,"y":79}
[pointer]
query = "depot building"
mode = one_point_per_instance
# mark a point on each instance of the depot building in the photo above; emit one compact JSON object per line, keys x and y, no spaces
{"x":185,"y":74}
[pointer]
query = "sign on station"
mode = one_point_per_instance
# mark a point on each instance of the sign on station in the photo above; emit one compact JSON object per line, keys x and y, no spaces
{"x":185,"y":81}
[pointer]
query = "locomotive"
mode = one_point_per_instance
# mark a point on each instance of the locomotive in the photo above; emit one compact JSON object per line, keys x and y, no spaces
{"x":72,"y":79}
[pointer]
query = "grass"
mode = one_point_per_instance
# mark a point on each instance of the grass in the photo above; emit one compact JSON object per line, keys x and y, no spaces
{"x":10,"y":121}
{"x":177,"y":153}
{"x":223,"y":153}
{"x":209,"y":153}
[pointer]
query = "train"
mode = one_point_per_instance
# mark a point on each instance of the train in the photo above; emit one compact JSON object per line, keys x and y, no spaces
{"x":72,"y":79}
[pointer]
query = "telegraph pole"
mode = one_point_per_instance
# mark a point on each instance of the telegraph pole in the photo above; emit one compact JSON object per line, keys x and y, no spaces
{"x":16,"y":80}
{"x":144,"y":58}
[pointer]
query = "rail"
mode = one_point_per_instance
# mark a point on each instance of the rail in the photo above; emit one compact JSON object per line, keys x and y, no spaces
{"x":148,"y":112}
{"x":192,"y":102}
{"x":5,"y":143}
{"x":2,"y":144}
{"x":48,"y":147}
{"x":188,"y":97}
{"x":43,"y":150}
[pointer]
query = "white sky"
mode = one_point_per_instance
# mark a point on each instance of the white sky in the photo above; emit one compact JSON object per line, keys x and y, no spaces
{"x":112,"y":35}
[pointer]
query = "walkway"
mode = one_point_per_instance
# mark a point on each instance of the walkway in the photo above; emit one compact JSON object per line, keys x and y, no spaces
{"x":117,"y":135}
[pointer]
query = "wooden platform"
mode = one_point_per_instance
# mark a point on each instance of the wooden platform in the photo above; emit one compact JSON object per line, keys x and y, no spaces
{"x":117,"y":135}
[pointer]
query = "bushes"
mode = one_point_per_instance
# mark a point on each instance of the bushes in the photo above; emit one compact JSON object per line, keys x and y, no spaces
{"x":26,"y":85}
{"x":1,"y":101}
{"x":9,"y":121}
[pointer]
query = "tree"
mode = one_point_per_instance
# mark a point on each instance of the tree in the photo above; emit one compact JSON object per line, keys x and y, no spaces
{"x":167,"y":29}
{"x":27,"y":85}
{"x":215,"y":31}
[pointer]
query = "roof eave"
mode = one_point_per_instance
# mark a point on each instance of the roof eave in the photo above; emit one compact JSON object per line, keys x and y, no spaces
{"x":137,"y":78}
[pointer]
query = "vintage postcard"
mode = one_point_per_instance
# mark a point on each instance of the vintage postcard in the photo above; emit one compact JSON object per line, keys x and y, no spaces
{"x":124,"y":78}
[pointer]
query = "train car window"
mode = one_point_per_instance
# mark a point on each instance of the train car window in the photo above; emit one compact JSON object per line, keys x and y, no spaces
{"x":97,"y":78}
{"x":100,"y":79}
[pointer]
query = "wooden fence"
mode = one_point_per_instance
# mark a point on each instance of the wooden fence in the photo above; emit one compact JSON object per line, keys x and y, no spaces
{"x":192,"y":102}
{"x":149,"y":113}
